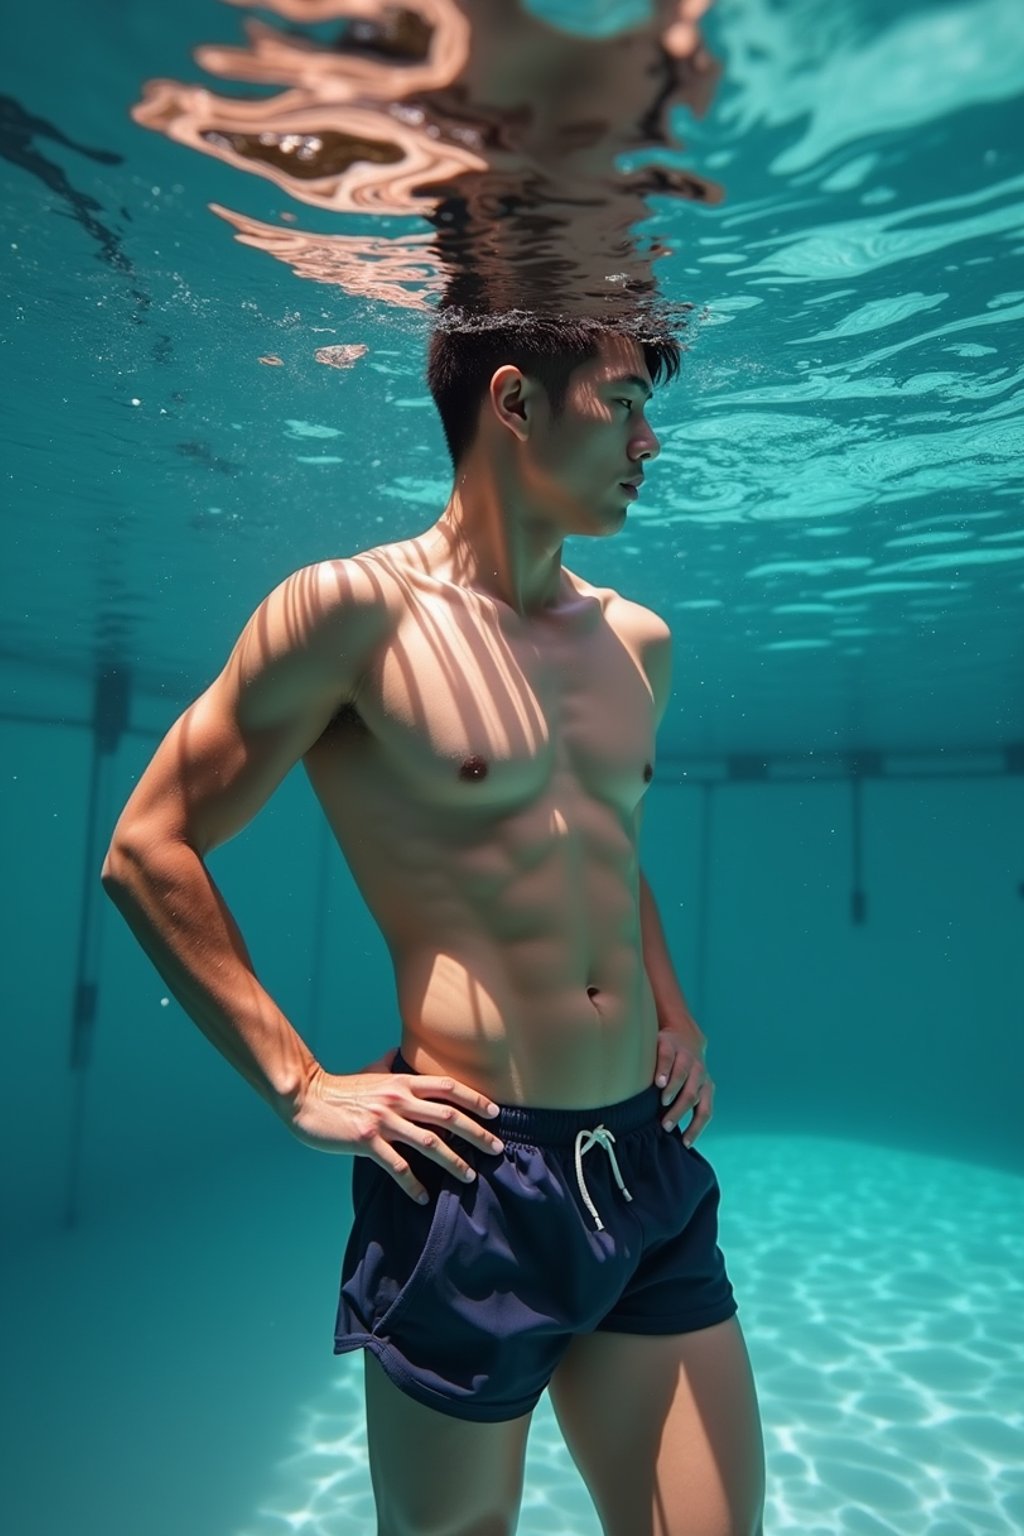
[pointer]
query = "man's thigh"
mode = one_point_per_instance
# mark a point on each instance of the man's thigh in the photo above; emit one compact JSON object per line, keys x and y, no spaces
{"x":433,"y":1473}
{"x":665,"y":1430}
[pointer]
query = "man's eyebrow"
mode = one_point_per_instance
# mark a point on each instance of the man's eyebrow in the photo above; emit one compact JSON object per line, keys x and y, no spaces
{"x":633,"y":378}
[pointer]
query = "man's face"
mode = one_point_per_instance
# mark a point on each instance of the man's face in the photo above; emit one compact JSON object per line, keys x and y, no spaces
{"x":575,"y":464}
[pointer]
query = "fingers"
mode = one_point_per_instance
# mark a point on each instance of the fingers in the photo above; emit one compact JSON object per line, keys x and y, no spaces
{"x":395,"y":1164}
{"x":448,"y":1116}
{"x":681,"y":1074}
{"x":702,"y":1113}
{"x":699,"y":1097}
{"x":450,"y":1119}
{"x":434,"y":1145}
{"x":448,"y":1088}
{"x":666,"y":1061}
{"x":431,"y":1145}
{"x":400,"y":1125}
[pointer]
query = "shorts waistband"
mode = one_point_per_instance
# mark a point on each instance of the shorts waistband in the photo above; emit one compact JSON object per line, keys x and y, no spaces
{"x":540,"y":1127}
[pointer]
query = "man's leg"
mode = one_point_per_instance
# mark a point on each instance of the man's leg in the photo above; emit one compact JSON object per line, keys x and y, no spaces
{"x":434,"y":1475}
{"x":665,"y":1430}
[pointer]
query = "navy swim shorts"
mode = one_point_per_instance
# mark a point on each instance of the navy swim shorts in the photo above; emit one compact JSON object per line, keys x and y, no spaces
{"x":592,"y":1219}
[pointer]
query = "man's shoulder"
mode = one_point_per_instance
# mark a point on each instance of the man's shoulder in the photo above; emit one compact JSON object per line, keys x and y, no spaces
{"x":381,"y":573}
{"x":338,"y":600}
{"x":634,"y":620}
{"x":649,"y":637}
{"x":355,"y":581}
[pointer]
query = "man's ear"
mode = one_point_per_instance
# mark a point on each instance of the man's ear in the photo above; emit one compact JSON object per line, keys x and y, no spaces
{"x":510,"y":396}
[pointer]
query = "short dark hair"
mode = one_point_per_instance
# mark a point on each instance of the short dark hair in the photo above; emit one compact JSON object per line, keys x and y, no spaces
{"x":466,"y":351}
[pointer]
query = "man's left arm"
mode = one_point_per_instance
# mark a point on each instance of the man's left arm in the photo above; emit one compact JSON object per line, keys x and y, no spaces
{"x":680,"y":1070}
{"x":673,"y":1009}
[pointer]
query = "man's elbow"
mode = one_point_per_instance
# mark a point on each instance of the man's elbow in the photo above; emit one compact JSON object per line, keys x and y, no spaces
{"x":112,"y":872}
{"x":121,"y":858}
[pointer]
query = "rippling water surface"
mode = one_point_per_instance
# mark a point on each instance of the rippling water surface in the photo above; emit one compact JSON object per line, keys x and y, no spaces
{"x":837,"y":504}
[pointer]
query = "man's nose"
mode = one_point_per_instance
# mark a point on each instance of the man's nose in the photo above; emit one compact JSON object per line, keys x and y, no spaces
{"x":645,"y":447}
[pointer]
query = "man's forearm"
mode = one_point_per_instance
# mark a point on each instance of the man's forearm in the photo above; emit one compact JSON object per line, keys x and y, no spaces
{"x":170,"y":902}
{"x":673,"y":1009}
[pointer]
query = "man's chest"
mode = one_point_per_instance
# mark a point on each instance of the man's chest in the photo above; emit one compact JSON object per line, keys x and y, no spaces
{"x":467,"y":710}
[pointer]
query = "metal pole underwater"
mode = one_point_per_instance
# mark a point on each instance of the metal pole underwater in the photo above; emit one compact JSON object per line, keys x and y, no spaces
{"x":112,"y":687}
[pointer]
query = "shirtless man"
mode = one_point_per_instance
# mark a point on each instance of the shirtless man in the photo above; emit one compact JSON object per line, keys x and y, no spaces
{"x":478,"y":723}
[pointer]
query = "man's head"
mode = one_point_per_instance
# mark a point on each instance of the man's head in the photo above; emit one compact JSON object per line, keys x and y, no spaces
{"x":557,"y":403}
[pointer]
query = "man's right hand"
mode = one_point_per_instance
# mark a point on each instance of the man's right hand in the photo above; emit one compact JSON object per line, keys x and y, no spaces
{"x":365,"y":1113}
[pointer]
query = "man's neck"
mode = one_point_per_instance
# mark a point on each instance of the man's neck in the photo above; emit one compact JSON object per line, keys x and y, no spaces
{"x":484,"y":541}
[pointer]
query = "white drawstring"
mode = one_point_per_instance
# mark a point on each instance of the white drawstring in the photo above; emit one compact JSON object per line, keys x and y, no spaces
{"x":600,"y":1136}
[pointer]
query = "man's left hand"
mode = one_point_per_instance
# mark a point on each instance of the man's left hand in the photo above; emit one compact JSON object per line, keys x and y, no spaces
{"x":683,"y":1078}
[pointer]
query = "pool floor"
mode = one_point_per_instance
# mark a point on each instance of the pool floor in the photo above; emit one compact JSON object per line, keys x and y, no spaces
{"x":170,"y":1368}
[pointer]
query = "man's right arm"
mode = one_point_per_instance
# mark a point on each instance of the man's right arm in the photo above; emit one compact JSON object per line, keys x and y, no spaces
{"x":298,"y":659}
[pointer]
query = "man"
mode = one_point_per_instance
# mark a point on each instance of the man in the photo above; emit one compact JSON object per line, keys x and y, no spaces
{"x":478,"y":723}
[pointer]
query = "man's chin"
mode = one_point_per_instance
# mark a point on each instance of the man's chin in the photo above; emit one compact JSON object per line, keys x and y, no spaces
{"x":612,"y":523}
{"x":594,"y":523}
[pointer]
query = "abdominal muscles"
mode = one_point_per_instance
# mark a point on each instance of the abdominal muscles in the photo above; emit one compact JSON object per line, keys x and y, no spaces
{"x":497,"y":1022}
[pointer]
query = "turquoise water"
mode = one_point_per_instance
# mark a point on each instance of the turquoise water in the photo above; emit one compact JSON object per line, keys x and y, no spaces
{"x":834,"y":532}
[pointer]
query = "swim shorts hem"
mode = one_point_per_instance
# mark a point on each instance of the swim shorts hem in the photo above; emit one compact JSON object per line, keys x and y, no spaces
{"x":691,"y":1323}
{"x":455,"y":1408}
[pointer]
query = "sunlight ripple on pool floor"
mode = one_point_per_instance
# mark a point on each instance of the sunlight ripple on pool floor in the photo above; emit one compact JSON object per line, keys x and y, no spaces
{"x":882,"y":1298}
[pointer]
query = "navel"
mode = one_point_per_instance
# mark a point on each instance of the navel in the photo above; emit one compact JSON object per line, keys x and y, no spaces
{"x":473,"y":768}
{"x":648,"y":773}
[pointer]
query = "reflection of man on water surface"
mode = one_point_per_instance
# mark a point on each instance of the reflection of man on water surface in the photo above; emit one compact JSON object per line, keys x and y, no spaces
{"x":506,"y":133}
{"x":479,"y":723}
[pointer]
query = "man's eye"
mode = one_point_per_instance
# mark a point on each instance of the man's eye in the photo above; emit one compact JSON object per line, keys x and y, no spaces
{"x":622,"y":401}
